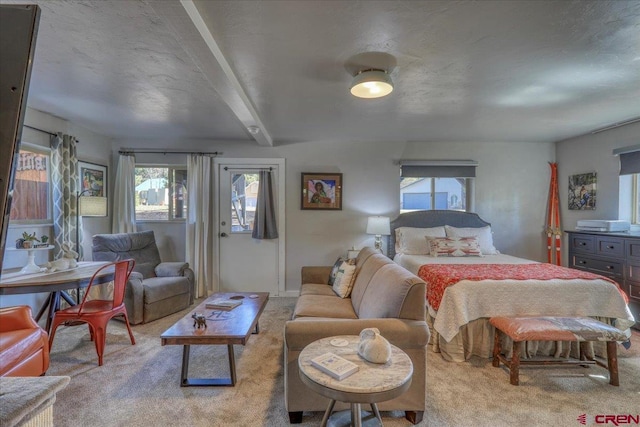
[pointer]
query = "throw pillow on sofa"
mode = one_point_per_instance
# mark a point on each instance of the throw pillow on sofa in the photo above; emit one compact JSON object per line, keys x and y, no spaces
{"x":345,"y":277}
{"x":334,"y":270}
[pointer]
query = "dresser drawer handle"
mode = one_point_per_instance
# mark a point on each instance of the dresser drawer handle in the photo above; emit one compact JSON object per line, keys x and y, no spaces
{"x":610,"y":267}
{"x":610,"y":247}
{"x":583,"y":243}
{"x":582,"y":262}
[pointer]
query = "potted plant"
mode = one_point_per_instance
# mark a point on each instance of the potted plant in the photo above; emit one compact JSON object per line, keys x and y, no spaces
{"x":44,"y":242}
{"x":28,"y":240}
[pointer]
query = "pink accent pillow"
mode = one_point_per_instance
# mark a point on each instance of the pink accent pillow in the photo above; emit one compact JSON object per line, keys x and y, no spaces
{"x":454,"y":246}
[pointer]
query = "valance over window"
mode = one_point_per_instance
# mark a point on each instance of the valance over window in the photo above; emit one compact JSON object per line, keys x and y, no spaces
{"x":629,"y":159}
{"x":438,"y":168}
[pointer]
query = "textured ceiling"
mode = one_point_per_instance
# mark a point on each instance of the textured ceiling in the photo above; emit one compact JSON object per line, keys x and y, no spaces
{"x":466,"y":70}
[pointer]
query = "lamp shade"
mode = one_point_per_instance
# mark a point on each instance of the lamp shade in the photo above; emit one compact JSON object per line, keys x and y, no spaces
{"x":371,"y":84}
{"x":378,"y":225}
{"x":92,"y":206}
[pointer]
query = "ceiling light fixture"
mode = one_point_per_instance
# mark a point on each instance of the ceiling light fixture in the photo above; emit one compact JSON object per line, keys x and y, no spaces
{"x":372,"y":83}
{"x":253,"y":130}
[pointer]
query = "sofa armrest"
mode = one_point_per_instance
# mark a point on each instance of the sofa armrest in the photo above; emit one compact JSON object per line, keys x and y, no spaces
{"x":171,"y":269}
{"x":402,"y":333}
{"x":315,"y":274}
{"x":134,"y":298}
{"x":17,"y":317}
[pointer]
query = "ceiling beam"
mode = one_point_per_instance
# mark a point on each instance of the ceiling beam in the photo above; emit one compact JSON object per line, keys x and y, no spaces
{"x":194,"y":36}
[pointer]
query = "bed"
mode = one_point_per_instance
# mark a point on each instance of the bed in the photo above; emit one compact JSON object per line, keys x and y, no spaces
{"x":463,"y":291}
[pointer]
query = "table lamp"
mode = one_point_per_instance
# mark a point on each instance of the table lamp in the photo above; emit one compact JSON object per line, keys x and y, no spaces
{"x":378,"y":225}
{"x":88,"y":206}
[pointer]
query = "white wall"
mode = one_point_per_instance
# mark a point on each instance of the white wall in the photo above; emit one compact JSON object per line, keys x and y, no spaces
{"x":92,"y":148}
{"x":593,"y":153}
{"x":511,"y":191}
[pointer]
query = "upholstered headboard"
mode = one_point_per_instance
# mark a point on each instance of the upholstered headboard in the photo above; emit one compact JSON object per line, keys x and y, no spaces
{"x":432,"y":218}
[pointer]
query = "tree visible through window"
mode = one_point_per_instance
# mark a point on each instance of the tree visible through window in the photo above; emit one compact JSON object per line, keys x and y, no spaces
{"x":161,"y":193}
{"x":31,"y":189}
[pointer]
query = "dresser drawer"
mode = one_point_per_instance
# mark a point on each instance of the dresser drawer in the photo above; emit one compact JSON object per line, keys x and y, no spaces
{"x":607,"y":268}
{"x":633,"y":249}
{"x":582,"y":243}
{"x":634,"y":290}
{"x":633,"y":271}
{"x":610,"y":246}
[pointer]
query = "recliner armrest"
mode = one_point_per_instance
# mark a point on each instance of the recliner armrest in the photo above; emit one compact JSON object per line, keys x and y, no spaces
{"x":171,"y":269}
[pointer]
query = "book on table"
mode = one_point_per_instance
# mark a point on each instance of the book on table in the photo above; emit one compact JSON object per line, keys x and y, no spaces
{"x":223,"y":303}
{"x":334,"y":365}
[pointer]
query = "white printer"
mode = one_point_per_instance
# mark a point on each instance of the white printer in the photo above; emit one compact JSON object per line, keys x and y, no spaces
{"x":603,"y":225}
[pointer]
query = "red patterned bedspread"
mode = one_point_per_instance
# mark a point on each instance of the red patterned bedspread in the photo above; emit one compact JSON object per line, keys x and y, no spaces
{"x":440,"y":276}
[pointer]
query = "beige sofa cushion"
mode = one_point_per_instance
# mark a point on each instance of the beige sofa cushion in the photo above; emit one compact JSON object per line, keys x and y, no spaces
{"x":316,"y":289}
{"x":364,"y":273}
{"x":324,"y":306}
{"x":394,"y":292}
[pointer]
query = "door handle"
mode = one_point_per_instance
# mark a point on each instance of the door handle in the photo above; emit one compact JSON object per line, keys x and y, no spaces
{"x":224,"y":235}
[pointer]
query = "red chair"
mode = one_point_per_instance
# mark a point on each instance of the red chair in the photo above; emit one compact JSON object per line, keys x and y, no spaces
{"x":97,"y":313}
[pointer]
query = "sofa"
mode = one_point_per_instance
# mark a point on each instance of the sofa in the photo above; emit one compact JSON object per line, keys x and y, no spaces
{"x":155,"y":289}
{"x":24,"y":346}
{"x":385,"y":296}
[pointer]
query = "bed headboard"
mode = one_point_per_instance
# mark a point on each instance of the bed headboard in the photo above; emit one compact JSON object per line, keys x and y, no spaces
{"x":432,"y":218}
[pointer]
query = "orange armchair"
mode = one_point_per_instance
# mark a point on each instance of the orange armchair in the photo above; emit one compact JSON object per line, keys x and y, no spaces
{"x":24,"y":346}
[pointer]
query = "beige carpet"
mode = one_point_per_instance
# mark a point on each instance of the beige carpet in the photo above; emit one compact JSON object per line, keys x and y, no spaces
{"x":139,"y":385}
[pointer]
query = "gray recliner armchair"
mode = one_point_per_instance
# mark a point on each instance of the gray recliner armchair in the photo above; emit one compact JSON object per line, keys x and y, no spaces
{"x":155,"y":289}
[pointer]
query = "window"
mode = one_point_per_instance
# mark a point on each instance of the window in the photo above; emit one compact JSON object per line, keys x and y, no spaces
{"x":445,"y":185}
{"x":31,"y":201}
{"x":161,"y":193}
{"x":629,"y":183}
{"x":636,"y":198}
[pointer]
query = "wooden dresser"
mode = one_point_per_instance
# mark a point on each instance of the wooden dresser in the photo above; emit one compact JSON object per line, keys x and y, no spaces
{"x":614,"y":255}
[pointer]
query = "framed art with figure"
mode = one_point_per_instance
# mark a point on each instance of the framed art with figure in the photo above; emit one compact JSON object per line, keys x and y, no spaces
{"x":92,"y":177}
{"x":582,"y":191}
{"x":321,"y":191}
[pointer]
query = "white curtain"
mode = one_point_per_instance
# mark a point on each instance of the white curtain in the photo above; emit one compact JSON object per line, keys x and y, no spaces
{"x":124,"y":196}
{"x":200,"y":196}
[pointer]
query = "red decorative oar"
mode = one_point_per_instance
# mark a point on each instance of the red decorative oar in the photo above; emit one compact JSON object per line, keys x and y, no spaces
{"x":553,"y":219}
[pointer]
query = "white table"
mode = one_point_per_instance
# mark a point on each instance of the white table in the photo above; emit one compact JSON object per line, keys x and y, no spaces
{"x":31,"y":266}
{"x":372,"y":383}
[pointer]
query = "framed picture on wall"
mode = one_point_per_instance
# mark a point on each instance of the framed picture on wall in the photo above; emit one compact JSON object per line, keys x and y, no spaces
{"x":582,"y":191}
{"x":92,"y":177}
{"x":321,"y":191}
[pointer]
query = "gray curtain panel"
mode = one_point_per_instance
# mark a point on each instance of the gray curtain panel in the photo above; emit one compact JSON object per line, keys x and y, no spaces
{"x":264,"y":223}
{"x":64,"y":179}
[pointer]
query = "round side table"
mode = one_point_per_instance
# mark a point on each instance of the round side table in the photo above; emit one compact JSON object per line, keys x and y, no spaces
{"x":372,"y":382}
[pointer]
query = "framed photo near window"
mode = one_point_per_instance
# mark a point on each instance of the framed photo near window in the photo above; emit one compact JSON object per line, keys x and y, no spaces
{"x":92,"y":177}
{"x":582,"y":191}
{"x":321,"y":191}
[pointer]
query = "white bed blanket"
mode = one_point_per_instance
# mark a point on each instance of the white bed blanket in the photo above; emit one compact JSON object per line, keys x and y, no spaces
{"x":469,"y":300}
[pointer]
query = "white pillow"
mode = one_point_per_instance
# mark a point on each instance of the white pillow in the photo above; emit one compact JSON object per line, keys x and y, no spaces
{"x":412,"y":240}
{"x":484,"y":235}
{"x":345,"y":277}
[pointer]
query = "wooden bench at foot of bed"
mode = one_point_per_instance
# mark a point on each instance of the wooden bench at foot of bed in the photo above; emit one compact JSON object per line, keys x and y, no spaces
{"x":582,"y":329}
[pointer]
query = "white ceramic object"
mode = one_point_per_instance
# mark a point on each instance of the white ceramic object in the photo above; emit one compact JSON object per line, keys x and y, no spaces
{"x":373,"y":347}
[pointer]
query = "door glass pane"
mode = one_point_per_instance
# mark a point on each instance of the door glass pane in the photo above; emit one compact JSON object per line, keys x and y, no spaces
{"x":244,"y":194}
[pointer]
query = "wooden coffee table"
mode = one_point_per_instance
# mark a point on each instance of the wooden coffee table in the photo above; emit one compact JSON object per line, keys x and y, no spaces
{"x":223,"y":328}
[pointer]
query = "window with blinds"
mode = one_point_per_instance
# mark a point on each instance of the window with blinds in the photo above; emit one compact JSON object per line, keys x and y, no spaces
{"x":630,"y":180}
